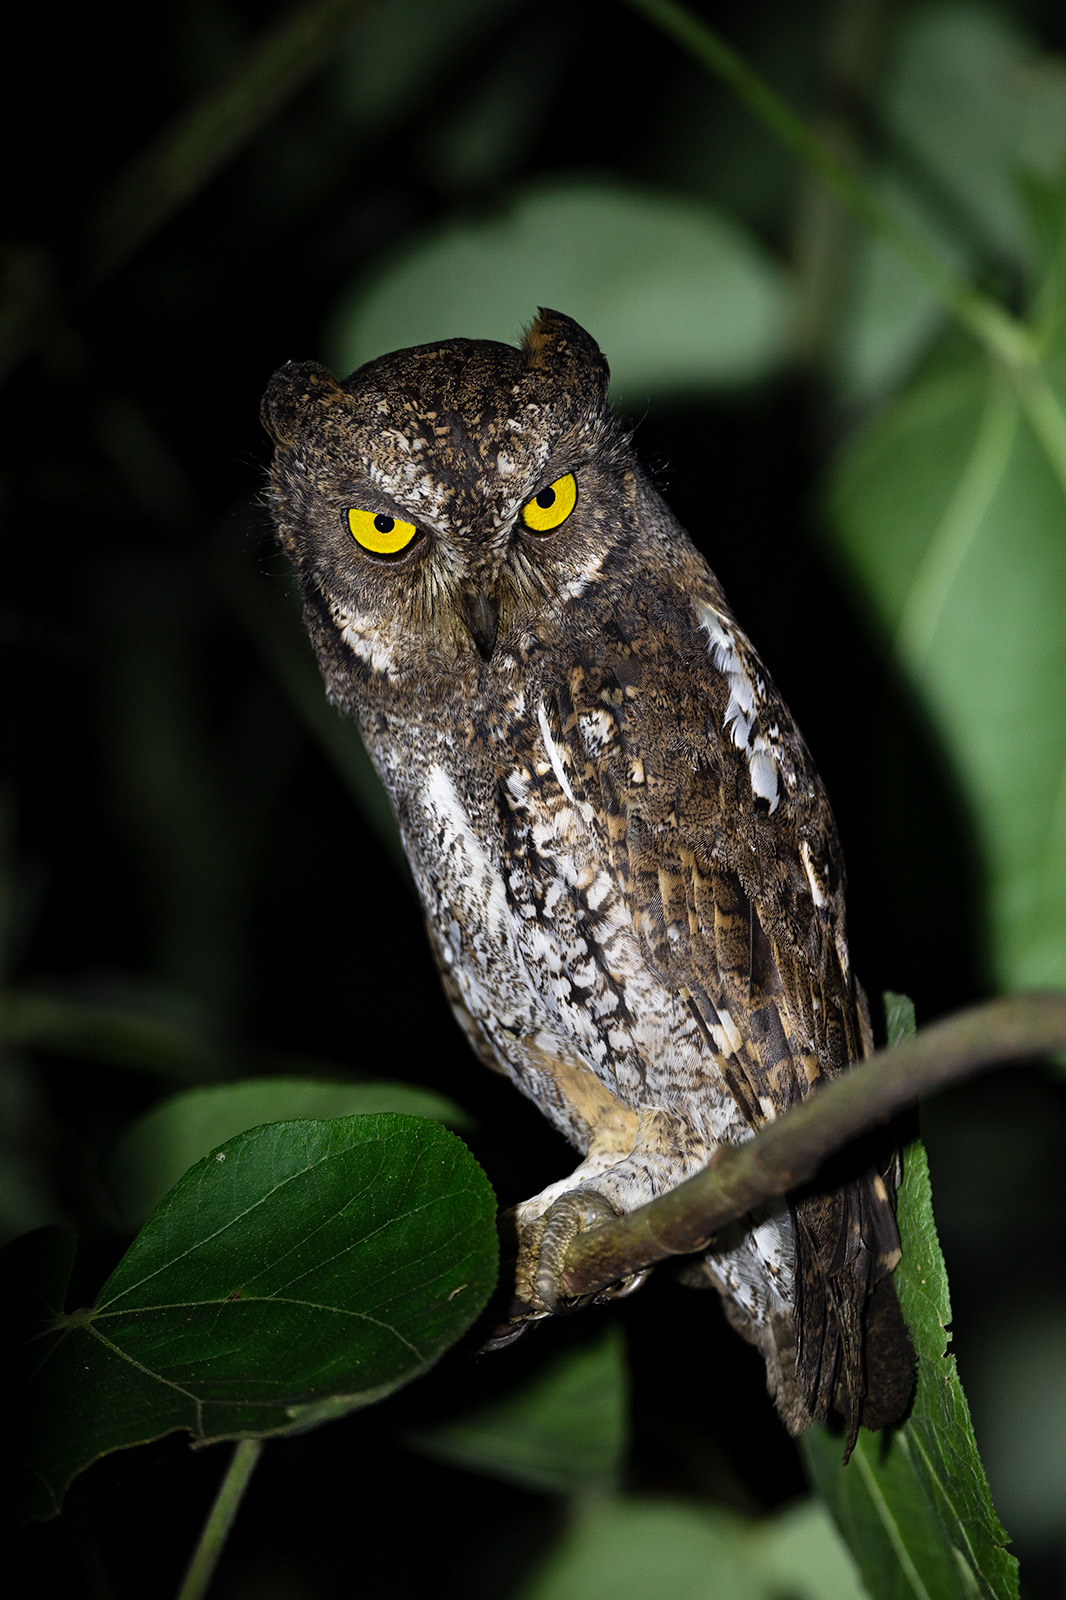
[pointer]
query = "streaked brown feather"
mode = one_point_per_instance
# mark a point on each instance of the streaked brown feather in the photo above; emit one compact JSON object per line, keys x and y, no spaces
{"x":726,"y":916}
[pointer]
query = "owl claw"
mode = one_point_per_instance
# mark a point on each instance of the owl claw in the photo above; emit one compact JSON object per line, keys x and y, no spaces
{"x":573,"y":1213}
{"x":542,"y":1244}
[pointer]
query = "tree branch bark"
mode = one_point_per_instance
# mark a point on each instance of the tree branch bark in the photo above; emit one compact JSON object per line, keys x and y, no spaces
{"x":790,"y":1150}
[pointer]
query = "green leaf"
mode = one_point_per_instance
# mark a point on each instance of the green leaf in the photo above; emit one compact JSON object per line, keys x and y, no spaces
{"x":630,"y":1549}
{"x":913,"y":1503}
{"x":977,"y":119}
{"x":976,"y":105}
{"x":176,"y":1134}
{"x":564,"y":1431}
{"x":301,"y":1271}
{"x":892,"y":314}
{"x":900,"y":1021}
{"x":125,"y":1022}
{"x":951,"y":512}
{"x":680,"y":296}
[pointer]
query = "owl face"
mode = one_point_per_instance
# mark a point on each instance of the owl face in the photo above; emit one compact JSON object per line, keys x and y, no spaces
{"x":445,"y":505}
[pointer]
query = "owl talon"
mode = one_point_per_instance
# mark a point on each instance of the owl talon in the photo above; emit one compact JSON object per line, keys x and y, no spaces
{"x":506,"y":1333}
{"x":577,"y":1212}
{"x":542,"y":1245}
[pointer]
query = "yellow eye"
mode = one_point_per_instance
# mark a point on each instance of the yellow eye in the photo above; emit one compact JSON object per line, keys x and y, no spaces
{"x":550,"y":508}
{"x":385,"y":536}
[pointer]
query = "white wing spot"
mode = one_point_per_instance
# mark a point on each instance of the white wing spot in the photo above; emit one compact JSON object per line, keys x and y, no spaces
{"x":721,"y":1042}
{"x":731,"y":1031}
{"x":742,"y":711}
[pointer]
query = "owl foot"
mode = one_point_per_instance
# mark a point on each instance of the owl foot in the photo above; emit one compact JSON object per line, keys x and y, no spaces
{"x":542,"y":1246}
{"x":577,"y":1212}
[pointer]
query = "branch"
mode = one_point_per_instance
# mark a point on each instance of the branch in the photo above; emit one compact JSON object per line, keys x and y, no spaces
{"x":788,"y":1152}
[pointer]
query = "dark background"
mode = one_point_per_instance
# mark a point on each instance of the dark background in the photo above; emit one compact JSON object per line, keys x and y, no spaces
{"x":180,"y":846}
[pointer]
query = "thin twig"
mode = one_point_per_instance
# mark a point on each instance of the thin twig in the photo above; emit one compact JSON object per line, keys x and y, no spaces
{"x":209,"y":133}
{"x":1009,"y":340}
{"x":790,"y":1150}
{"x":994,"y":326}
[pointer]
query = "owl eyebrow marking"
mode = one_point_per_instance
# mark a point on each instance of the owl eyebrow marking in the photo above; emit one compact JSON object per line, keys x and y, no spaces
{"x":739,"y":720}
{"x":555,"y":756}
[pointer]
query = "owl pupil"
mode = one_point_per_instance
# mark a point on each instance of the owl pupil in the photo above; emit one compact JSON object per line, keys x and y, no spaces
{"x":384,"y":524}
{"x":546,"y":498}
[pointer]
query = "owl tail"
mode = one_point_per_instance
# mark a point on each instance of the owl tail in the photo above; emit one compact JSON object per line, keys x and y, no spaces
{"x":853,"y":1353}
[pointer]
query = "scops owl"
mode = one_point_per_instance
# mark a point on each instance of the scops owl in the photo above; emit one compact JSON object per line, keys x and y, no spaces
{"x":627,"y":861}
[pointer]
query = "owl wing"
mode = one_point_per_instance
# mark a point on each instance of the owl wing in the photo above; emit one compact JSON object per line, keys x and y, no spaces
{"x":686,"y":759}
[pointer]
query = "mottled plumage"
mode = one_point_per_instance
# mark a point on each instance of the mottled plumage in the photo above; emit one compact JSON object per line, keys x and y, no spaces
{"x":627,"y":861}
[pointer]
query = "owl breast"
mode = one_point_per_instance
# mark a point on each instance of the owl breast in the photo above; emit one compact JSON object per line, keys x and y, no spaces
{"x":547,"y":976}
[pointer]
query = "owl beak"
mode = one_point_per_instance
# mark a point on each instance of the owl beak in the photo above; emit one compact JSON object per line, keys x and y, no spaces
{"x":481,"y":612}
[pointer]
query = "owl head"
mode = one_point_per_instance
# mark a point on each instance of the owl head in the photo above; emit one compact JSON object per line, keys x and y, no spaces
{"x":445,"y":506}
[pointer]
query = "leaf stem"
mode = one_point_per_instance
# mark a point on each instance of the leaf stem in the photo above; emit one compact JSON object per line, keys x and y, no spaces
{"x":220,"y":1519}
{"x":1001,"y":334}
{"x":209,"y":132}
{"x":1046,"y":418}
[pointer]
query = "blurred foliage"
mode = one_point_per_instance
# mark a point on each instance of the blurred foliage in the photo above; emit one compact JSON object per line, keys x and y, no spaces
{"x":681,"y":297}
{"x":530,"y":1438}
{"x":916,"y":1511}
{"x":163,"y":1144}
{"x":198,"y":878}
{"x":627,"y":1549}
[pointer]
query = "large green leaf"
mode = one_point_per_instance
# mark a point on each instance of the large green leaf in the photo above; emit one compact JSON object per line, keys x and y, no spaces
{"x":564,"y":1430}
{"x":632,"y":1549}
{"x":174,"y":1135}
{"x":679,"y":295}
{"x":891,"y":314}
{"x":951,"y":512}
{"x":913,"y":1502}
{"x":301,"y":1271}
{"x":970,"y":99}
{"x":124,"y":1021}
{"x":971,"y":106}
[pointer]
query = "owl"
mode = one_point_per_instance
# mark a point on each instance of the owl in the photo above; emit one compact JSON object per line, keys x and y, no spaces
{"x":627,"y":862}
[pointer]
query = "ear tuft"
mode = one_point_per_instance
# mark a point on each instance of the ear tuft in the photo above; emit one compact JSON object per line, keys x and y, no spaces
{"x":297,"y":392}
{"x":535,"y":342}
{"x":556,"y":344}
